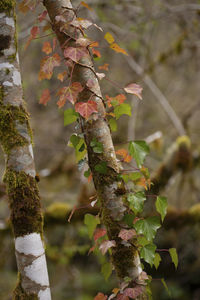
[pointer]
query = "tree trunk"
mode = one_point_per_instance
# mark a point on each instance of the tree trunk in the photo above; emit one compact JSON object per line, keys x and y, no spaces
{"x":15,"y":139}
{"x":110,"y":188}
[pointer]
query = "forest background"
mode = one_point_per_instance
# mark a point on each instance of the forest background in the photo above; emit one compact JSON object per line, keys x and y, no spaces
{"x":162,"y":40}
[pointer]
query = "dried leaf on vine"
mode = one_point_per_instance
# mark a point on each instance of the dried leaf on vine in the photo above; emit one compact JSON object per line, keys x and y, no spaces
{"x":127,"y":234}
{"x":47,"y":48}
{"x":106,"y":245}
{"x":42,"y":16}
{"x":124,"y":153}
{"x":35,"y":30}
{"x":134,"y":89}
{"x":99,"y":232}
{"x":75,"y":54}
{"x":45,"y":97}
{"x":104,"y":67}
{"x":79,"y":22}
{"x":61,"y":76}
{"x":101,"y":296}
{"x":47,"y":65}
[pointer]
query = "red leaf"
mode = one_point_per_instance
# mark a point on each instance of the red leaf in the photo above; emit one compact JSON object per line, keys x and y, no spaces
{"x":47,"y":65}
{"x":119,"y":98}
{"x":104,"y":67}
{"x":99,"y":232}
{"x":47,"y":48}
{"x":85,"y":109}
{"x":69,"y":93}
{"x":106,"y":245}
{"x":35,"y":30}
{"x":101,"y":296}
{"x":127,"y":234}
{"x":42,"y":16}
{"x":45,"y":97}
{"x":54,"y":43}
{"x":134,"y":89}
{"x":75,"y":54}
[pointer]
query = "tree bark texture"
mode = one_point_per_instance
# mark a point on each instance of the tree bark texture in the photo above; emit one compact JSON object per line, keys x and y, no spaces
{"x":16,"y":142}
{"x":110,"y":188}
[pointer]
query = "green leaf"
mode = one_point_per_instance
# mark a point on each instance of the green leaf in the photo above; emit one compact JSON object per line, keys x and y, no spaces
{"x":106,"y":270}
{"x":174,"y":256}
{"x":161,"y":206}
{"x":157,"y":260}
{"x":96,"y":146}
{"x":122,"y":109}
{"x":148,"y":227}
{"x":113,"y":125}
{"x":128,"y":219}
{"x":132,"y":176}
{"x":101,"y":167}
{"x":148,"y":253}
{"x":80,"y":148}
{"x":87,"y":173}
{"x":136,"y":201}
{"x":91,"y":222}
{"x":166,"y":287}
{"x":142,"y":241}
{"x":70,"y":116}
{"x":139,"y":150}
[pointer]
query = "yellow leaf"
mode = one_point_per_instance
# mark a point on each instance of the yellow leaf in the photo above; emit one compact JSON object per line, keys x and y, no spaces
{"x":109,"y":38}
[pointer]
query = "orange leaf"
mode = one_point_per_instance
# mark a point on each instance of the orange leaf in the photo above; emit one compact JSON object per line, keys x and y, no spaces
{"x":47,"y":65}
{"x":99,"y":232}
{"x":104,"y":67}
{"x":94,"y":44}
{"x":118,"y":49}
{"x":96,"y":53}
{"x":86,"y":5}
{"x":85,"y":109}
{"x":47,"y":48}
{"x":124,"y":154}
{"x":134,"y":89}
{"x":119,"y":99}
{"x":101,"y":296}
{"x":69,"y":93}
{"x":45,"y":97}
{"x":61,"y":76}
{"x":109,"y":38}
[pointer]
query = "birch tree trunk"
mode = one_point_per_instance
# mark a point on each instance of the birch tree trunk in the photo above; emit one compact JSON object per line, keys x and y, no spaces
{"x":15,"y":139}
{"x":110,"y":188}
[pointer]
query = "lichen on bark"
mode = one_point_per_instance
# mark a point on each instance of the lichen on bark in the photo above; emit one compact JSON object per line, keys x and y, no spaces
{"x":6,"y":5}
{"x":19,"y":293}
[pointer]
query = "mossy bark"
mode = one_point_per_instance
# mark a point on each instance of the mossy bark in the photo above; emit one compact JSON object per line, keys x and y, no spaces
{"x":110,"y":188}
{"x":16,"y":141}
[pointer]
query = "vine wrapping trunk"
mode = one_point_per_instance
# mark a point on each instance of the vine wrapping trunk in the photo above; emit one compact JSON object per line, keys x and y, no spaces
{"x":15,"y":139}
{"x":109,"y":186}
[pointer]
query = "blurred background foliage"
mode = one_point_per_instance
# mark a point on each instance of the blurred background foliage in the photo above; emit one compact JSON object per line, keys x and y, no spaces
{"x":163,"y":42}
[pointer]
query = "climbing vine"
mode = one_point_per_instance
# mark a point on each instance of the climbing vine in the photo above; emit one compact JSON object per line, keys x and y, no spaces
{"x":125,"y":221}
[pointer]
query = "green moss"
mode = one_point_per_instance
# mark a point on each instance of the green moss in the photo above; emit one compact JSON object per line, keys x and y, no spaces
{"x":183,"y":140}
{"x":9,"y":136}
{"x":58,"y":210}
{"x":19,"y":293}
{"x":7,"y":5}
{"x":24,"y":202}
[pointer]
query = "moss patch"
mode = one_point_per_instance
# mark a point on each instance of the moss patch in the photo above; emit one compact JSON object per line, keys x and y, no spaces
{"x":19,"y":293}
{"x":6,"y":5}
{"x":9,"y":136}
{"x":24,"y":201}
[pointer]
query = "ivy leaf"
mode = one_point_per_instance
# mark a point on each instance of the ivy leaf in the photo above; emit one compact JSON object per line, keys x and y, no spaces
{"x":174,"y":256}
{"x":101,"y":167}
{"x":148,"y":253}
{"x":127,"y":234}
{"x":117,"y":48}
{"x":122,"y":109}
{"x":79,"y":22}
{"x":134,"y":89}
{"x":42,"y":16}
{"x":101,"y":296}
{"x":100,"y":75}
{"x":35,"y":30}
{"x":139,"y":150}
{"x":91,"y":222}
{"x":70,"y":116}
{"x":79,"y":145}
{"x":85,"y":109}
{"x":69,"y":93}
{"x":124,"y":153}
{"x":83,"y":42}
{"x":61,"y":76}
{"x":45,"y":97}
{"x":161,"y":206}
{"x":157,"y":260}
{"x":104,"y":67}
{"x":47,"y":48}
{"x":47,"y":65}
{"x":99,"y":232}
{"x":75,"y":54}
{"x":133,"y":293}
{"x":109,"y":38}
{"x":97,"y":146}
{"x":136,"y":201}
{"x":113,"y":101}
{"x":106,"y":270}
{"x":148,"y":227}
{"x":113,"y":124}
{"x":166,"y":287}
{"x":106,"y":245}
